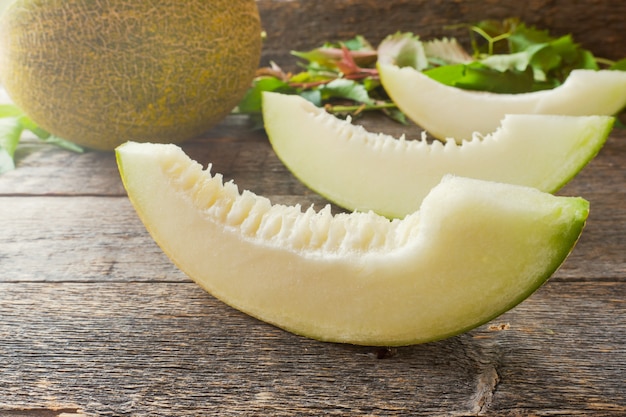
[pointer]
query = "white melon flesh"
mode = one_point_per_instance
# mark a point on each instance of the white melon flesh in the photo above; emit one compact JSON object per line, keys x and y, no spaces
{"x":473,"y":251}
{"x":451,"y":112}
{"x":360,"y":170}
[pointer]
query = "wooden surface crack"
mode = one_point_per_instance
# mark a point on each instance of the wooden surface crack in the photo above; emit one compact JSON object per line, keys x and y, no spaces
{"x":486,"y":359}
{"x":42,"y":412}
{"x":486,"y":387}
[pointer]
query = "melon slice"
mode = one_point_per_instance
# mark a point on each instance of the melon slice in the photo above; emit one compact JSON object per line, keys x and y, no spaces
{"x":360,"y":170}
{"x":450,"y":112}
{"x":473,"y":251}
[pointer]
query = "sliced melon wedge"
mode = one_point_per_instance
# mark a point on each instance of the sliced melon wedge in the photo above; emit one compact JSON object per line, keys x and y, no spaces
{"x":360,"y":170}
{"x":473,"y":251}
{"x":450,"y":112}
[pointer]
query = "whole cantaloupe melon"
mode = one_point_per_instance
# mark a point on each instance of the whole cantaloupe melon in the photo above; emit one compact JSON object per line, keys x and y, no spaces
{"x":99,"y":73}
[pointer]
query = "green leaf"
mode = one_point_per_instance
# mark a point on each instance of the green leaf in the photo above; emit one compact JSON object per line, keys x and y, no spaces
{"x":324,"y":58}
{"x":346,"y":89}
{"x":517,"y":45}
{"x":302,"y":78}
{"x":315,"y":72}
{"x":62,"y":143}
{"x":28,"y":124}
{"x":522,"y":37}
{"x":396,"y":115}
{"x":509,"y":57}
{"x":358,"y":43}
{"x":13,"y":123}
{"x":331,"y":60}
{"x":371,"y":84}
{"x":10,"y":133}
{"x":314,"y":96}
{"x":447,"y":74}
{"x":543,"y":59}
{"x":251,"y":102}
{"x":481,"y":78}
{"x":588,"y":60}
{"x":619,"y":65}
{"x":477,"y":76}
{"x":9,"y":110}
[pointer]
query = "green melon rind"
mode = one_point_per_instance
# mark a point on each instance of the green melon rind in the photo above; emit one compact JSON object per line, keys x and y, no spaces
{"x":507,"y":240}
{"x":451,"y":112}
{"x":361,"y":170}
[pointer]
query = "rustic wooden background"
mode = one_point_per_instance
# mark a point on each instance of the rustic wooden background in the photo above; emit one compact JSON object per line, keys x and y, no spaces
{"x":598,"y":25}
{"x":96,"y":321}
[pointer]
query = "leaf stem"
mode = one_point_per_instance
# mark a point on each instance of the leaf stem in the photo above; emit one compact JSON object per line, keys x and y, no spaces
{"x":604,"y":61}
{"x":354,"y":77}
{"x":490,"y":39}
{"x":359,"y":107}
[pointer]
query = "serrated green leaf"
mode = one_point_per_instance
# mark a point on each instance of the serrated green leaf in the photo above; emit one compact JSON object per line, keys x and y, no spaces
{"x":345,"y":89}
{"x":314,"y":72}
{"x":314,"y":96}
{"x":510,"y":58}
{"x":544,"y":58}
{"x":358,"y":43}
{"x":551,"y":58}
{"x":371,"y":84}
{"x":522,"y":37}
{"x":251,"y":102}
{"x":301,"y":78}
{"x":619,"y":65}
{"x":477,"y":76}
{"x":318,"y":56}
{"x":447,"y":74}
{"x":396,"y":115}
{"x":588,"y":60}
{"x":332,"y":57}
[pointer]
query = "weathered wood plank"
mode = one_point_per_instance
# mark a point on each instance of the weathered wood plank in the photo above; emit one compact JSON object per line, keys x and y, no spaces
{"x":170,"y":349}
{"x":102,"y":239}
{"x":77,"y":239}
{"x":88,"y":238}
{"x":44,"y":169}
{"x":95,"y":320}
{"x":245,"y":156}
{"x":302,"y":25}
{"x":80,"y":239}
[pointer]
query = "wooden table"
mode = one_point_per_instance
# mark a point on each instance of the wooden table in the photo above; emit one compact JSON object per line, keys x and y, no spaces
{"x":96,"y":321}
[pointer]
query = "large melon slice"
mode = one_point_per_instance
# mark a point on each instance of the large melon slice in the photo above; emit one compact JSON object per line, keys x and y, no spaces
{"x":360,"y":170}
{"x":473,"y":251}
{"x":450,"y":112}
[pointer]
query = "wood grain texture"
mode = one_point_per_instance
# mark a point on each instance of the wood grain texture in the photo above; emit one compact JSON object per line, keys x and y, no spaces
{"x":96,"y":321}
{"x":153,"y":348}
{"x":302,"y":25}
